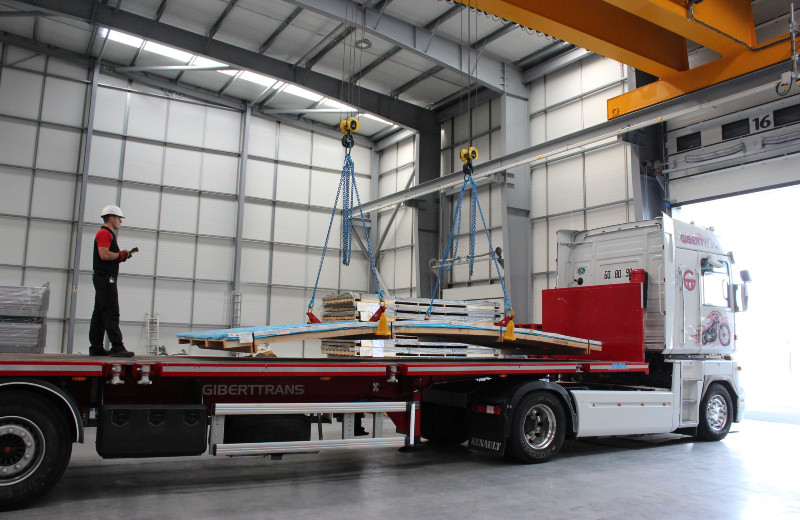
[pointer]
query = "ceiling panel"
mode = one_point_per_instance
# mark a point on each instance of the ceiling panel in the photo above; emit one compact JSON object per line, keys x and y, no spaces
{"x":517,"y":44}
{"x":21,"y":26}
{"x":208,"y":79}
{"x":469,"y":26}
{"x":70,"y":35}
{"x":293,"y":44}
{"x":146,"y":8}
{"x":418,"y":12}
{"x":193,"y":15}
{"x":428,"y":91}
{"x":114,"y":52}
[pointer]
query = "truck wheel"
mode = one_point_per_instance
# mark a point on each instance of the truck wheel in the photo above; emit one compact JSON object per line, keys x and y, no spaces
{"x":35,"y":447}
{"x":716,"y":414}
{"x":443,"y":425}
{"x":537,"y":432}
{"x":724,"y":335}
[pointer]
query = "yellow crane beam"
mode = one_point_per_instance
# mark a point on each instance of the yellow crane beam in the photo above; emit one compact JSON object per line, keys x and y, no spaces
{"x":651,"y":35}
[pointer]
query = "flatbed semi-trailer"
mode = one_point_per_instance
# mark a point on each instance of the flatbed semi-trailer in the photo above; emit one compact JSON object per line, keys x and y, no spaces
{"x":658,"y":295}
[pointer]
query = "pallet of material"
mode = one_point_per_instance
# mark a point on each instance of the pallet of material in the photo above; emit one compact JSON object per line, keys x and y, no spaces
{"x":361,"y":306}
{"x":404,"y":347}
{"x":474,"y":333}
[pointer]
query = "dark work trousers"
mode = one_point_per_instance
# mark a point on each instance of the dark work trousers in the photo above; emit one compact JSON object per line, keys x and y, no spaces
{"x":105,"y":318}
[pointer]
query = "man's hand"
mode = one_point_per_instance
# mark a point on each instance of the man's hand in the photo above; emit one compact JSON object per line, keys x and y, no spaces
{"x":123,"y":255}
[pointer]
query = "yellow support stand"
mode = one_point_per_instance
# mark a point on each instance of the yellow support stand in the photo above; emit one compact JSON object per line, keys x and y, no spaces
{"x":508,"y":335}
{"x":383,"y":326}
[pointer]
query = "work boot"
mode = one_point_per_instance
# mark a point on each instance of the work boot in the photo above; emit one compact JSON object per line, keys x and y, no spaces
{"x":97,"y":351}
{"x":120,"y":352}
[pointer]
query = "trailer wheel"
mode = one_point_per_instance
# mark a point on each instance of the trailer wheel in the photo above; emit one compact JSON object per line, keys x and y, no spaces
{"x":35,"y":447}
{"x":538,"y":428}
{"x":716,"y":414}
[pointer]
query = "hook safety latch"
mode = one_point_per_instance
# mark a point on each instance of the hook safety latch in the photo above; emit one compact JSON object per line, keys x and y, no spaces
{"x":383,"y":322}
{"x":311,"y":317}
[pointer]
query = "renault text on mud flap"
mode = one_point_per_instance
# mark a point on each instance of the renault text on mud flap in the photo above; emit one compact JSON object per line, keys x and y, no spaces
{"x":253,"y":390}
{"x":485,"y":444}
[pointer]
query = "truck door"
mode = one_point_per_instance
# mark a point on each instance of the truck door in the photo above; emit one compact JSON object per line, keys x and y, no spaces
{"x":716,"y":314}
{"x":687,"y":324}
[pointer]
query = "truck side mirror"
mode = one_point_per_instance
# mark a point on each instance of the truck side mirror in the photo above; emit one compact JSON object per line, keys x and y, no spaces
{"x":736,"y":306}
{"x":745,"y":276}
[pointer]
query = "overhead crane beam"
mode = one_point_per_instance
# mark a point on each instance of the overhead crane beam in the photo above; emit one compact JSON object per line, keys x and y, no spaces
{"x":651,"y":35}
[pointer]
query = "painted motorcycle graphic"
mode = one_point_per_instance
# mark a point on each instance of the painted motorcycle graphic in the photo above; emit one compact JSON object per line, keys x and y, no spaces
{"x":716,"y":329}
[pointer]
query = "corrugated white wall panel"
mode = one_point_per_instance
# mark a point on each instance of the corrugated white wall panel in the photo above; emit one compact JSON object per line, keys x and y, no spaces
{"x":328,"y":275}
{"x":53,"y":196}
{"x":220,"y":173}
{"x":289,"y":266}
{"x":263,"y":133}
{"x":84,"y":305}
{"x":217,"y":216}
{"x":214,"y":259}
{"x":43,"y":239}
{"x":327,"y":152}
{"x":13,"y":232}
{"x":147,"y":117}
{"x":137,"y":203}
{"x":255,"y":263}
{"x":17,"y":142}
{"x":223,"y":128}
{"x":565,"y":185}
{"x":260,"y":179}
{"x":564,"y":120}
{"x":388,"y":160}
{"x":563,"y":84}
{"x":606,"y":172}
{"x":607,"y":216}
{"x":106,"y":155}
{"x":109,"y":111}
{"x":185,"y":123}
{"x":254,"y":306}
{"x":362,"y":159}
{"x":386,"y":266}
{"x":597,"y":71}
{"x":324,"y":186}
{"x":143,"y":162}
{"x":182,"y":167}
{"x":10,"y":275}
{"x":403,"y":227}
{"x":135,"y":298}
{"x":176,"y":256}
{"x":293,"y":184}
{"x":356,"y":277}
{"x":59,"y":149}
{"x":63,"y":102}
{"x":20,"y":93}
{"x":291,"y":225}
{"x":173,"y":301}
{"x":318,"y":222}
{"x":257,"y":223}
{"x":540,"y":245}
{"x":99,"y":194}
{"x":403,"y":262}
{"x":294,"y":145}
{"x":143,"y":262}
{"x":179,"y":211}
{"x":16,"y":193}
{"x":58,"y":291}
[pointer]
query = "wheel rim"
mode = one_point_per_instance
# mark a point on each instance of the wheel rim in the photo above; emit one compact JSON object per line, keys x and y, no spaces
{"x":540,"y":427}
{"x":21,"y":449}
{"x":724,"y":335}
{"x":717,"y":413}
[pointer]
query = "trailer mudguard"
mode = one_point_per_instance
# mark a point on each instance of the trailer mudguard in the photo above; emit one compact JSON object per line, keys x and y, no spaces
{"x":61,"y":398}
{"x":509,"y":394}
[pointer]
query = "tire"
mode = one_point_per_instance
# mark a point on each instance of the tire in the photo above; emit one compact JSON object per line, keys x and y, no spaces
{"x":35,"y":448}
{"x":716,"y":414}
{"x":724,"y":335}
{"x":538,"y":428}
{"x":443,"y":425}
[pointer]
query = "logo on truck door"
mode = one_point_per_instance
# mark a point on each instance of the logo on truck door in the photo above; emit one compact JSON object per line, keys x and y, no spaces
{"x":688,"y":280}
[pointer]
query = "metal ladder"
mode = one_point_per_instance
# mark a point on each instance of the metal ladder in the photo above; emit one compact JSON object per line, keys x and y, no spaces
{"x":348,"y":440}
{"x":691,"y":387}
{"x":152,"y":334}
{"x":236,"y":310}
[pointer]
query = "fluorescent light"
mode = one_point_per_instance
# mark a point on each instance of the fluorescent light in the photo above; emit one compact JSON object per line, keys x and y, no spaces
{"x":335,"y":104}
{"x":169,"y":52}
{"x":123,"y":38}
{"x":301,"y":92}
{"x":378,"y":119}
{"x":200,"y":61}
{"x":258,"y":79}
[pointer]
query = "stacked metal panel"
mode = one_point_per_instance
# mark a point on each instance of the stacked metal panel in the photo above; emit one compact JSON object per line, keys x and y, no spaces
{"x":351,"y":306}
{"x":23,"y":318}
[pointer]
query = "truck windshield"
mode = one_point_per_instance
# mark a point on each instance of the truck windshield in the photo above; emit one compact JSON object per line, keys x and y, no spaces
{"x":715,"y":283}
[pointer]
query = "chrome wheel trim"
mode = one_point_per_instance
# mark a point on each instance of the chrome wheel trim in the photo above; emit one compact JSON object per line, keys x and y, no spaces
{"x":540,"y":427}
{"x":717,"y":413}
{"x":22,"y":443}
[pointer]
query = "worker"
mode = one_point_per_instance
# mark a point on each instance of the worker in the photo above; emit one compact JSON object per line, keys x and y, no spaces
{"x":107,"y":257}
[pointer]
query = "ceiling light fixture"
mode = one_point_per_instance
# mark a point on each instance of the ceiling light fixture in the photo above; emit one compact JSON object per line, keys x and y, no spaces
{"x":363,"y":44}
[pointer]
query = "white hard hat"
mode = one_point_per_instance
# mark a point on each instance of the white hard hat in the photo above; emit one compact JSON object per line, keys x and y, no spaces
{"x":112,"y":210}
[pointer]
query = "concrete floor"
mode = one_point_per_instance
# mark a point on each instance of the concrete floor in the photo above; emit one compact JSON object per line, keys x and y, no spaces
{"x":753,"y":473}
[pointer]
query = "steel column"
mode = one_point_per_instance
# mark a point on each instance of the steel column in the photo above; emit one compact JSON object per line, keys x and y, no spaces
{"x":76,"y":259}
{"x":237,"y":252}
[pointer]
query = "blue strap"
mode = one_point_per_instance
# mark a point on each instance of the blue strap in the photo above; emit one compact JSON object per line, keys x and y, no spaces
{"x":475,"y":204}
{"x":347,"y":188}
